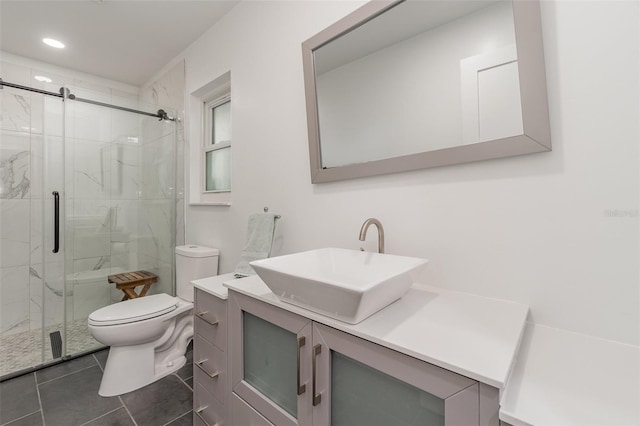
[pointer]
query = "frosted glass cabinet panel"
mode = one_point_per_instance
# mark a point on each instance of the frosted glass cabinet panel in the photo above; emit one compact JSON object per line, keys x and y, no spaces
{"x":269,"y":358}
{"x":294,"y":371}
{"x":270,"y":367}
{"x":360,"y":383}
{"x":361,"y":395}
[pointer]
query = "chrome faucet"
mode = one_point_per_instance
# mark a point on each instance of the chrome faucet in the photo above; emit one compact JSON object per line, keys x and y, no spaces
{"x":363,"y":232}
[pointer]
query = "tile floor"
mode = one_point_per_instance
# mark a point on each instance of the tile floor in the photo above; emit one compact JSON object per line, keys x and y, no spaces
{"x":67,"y":395}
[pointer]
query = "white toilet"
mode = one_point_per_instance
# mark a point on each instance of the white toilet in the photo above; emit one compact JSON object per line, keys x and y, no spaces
{"x":148,"y":336}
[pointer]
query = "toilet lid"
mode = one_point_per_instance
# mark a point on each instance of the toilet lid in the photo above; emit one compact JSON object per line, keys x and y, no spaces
{"x":134,"y":310}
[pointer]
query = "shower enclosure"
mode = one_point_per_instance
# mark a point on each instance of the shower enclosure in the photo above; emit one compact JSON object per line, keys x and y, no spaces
{"x":88,"y":190}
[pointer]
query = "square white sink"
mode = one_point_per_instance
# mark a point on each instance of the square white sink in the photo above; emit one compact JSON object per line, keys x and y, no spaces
{"x":347,"y":285}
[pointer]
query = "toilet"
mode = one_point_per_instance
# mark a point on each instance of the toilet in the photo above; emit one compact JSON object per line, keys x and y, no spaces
{"x":149,"y":335}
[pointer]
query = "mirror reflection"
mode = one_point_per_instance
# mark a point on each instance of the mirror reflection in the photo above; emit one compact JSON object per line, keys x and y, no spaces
{"x":422,"y":76}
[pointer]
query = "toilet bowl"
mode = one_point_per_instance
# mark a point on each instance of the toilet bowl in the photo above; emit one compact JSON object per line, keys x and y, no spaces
{"x":148,"y":336}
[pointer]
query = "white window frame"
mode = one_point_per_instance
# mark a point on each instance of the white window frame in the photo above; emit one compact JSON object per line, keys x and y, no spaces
{"x":196,"y":138}
{"x":208,"y":146}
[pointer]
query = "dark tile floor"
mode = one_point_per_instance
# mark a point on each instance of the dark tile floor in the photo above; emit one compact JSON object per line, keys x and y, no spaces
{"x":67,"y":395}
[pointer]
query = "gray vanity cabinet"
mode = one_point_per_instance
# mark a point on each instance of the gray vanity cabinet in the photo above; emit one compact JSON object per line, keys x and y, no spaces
{"x":209,"y":360}
{"x":289,"y":370}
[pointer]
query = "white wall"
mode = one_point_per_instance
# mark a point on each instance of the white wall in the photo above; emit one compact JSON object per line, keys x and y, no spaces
{"x":539,"y":229}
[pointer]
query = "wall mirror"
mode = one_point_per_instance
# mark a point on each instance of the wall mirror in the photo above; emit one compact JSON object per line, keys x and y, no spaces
{"x":412,"y":84}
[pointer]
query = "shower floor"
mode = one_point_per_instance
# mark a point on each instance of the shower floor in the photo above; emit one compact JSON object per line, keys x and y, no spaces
{"x":24,"y":350}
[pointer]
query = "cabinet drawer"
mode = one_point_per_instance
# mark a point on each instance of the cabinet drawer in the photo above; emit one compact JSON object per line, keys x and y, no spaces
{"x":209,"y":305}
{"x":211,"y":319}
{"x":207,"y":361}
{"x":206,"y":409}
{"x":214,"y":334}
{"x":245,"y":415}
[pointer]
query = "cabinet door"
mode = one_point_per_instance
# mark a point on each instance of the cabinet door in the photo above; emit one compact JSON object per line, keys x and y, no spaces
{"x":357,"y":382}
{"x":271,"y":353}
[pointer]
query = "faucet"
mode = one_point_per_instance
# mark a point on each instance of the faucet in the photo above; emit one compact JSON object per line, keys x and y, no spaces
{"x":363,"y":232}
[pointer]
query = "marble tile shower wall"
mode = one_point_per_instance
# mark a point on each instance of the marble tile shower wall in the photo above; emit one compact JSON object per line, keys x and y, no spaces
{"x":169,"y":90}
{"x":117,"y":169}
{"x":28,"y":122}
{"x":156,"y":214}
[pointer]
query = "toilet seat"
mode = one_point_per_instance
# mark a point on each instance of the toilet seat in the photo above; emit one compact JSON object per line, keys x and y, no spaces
{"x":134,"y":310}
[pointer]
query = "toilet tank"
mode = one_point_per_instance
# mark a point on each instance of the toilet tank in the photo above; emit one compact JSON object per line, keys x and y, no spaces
{"x":194,"y":262}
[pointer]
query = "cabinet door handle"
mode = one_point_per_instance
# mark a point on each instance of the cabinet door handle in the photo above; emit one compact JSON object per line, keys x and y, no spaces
{"x":316,"y":396}
{"x":301,"y":387}
{"x":200,"y":410}
{"x":199,"y":365}
{"x":201,"y":316}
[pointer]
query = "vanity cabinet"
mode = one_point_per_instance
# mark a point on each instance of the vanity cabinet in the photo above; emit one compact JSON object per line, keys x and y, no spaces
{"x":289,"y":370}
{"x":209,"y":360}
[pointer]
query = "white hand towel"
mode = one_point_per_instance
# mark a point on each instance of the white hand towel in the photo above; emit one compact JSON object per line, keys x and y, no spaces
{"x":259,"y":239}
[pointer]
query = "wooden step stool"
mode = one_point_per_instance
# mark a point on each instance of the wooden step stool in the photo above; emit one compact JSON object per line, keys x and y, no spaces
{"x":128,"y":281}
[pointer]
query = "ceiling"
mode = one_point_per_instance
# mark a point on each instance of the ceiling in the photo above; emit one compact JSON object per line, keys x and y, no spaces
{"x":122,"y":40}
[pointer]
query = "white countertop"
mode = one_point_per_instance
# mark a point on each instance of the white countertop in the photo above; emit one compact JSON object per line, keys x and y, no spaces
{"x":473,"y":336}
{"x":565,"y":378}
{"x":214,"y":285}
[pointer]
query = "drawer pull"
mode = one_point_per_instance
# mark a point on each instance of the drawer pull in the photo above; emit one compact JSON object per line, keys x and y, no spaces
{"x":200,"y":410}
{"x":201,"y":316}
{"x":199,"y":365}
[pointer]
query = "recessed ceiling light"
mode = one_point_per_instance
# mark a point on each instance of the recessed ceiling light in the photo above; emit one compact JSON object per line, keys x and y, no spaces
{"x":53,"y":43}
{"x":43,"y":79}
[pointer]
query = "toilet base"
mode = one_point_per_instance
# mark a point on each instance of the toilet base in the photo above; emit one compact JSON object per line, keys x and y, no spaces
{"x":126,"y":371}
{"x":132,"y":367}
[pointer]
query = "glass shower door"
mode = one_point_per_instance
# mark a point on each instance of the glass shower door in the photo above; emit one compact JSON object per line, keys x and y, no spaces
{"x":31,"y":166}
{"x":120,"y":203}
{"x":88,"y":214}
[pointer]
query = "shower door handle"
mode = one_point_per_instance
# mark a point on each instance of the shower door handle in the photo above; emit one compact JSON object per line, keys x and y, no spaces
{"x":56,"y":221}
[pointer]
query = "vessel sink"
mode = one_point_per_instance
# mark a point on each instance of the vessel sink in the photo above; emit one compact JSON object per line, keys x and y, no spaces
{"x":347,"y":285}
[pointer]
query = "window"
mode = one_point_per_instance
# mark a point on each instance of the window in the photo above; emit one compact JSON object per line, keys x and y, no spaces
{"x":217,"y":145}
{"x":209,"y":137}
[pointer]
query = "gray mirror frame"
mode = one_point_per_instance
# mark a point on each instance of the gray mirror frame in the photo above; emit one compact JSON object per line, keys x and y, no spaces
{"x":533,"y":92}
